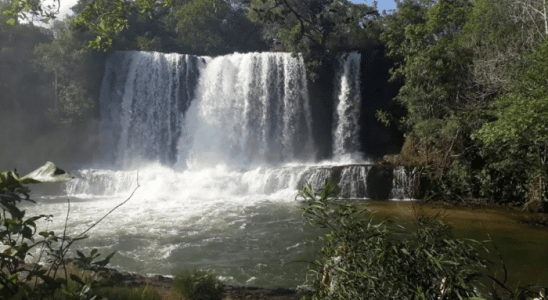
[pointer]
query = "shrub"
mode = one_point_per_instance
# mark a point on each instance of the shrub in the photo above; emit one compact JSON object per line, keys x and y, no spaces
{"x":18,"y":236}
{"x":198,"y":285}
{"x":364,"y":260}
{"x":128,"y":293}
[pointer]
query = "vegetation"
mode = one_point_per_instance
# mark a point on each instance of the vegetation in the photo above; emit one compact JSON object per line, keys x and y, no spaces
{"x":128,"y":293}
{"x":198,"y":285}
{"x":362,"y":259}
{"x":20,"y":239}
{"x":472,"y":75}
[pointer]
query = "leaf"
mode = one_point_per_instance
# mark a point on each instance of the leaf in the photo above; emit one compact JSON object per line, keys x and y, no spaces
{"x":77,"y":279}
{"x":105,"y":261}
{"x":11,"y":21}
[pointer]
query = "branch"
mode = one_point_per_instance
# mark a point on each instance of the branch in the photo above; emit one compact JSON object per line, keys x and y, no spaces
{"x":112,"y":210}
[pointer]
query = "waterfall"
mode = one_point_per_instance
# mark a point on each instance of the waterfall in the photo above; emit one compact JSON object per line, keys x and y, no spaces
{"x":143,"y":101}
{"x":251,"y":109}
{"x":233,"y":125}
{"x":239,"y":109}
{"x":346,"y":144}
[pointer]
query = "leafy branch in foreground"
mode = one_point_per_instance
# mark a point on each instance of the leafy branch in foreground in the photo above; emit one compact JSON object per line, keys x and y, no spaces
{"x":19,"y":280}
{"x":362,"y":259}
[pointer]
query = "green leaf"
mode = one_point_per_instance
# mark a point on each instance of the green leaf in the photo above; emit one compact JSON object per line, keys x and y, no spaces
{"x":105,"y":261}
{"x":11,"y":21}
{"x":77,"y":279}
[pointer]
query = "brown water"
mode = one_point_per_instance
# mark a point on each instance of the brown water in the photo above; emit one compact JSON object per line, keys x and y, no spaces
{"x":524,"y":248}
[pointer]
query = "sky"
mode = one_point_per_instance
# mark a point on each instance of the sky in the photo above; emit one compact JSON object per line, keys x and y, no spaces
{"x":383,"y":4}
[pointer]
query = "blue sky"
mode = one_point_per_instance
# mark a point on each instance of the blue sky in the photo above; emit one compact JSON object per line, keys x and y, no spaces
{"x":383,"y":4}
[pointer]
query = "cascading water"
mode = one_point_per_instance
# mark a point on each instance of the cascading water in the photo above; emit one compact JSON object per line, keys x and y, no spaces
{"x":346,"y":142}
{"x":218,"y":147}
{"x":143,"y":101}
{"x":250,"y":109}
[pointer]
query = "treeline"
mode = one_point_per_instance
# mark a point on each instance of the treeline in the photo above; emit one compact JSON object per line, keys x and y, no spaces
{"x":476,"y":91}
{"x":473,"y":72}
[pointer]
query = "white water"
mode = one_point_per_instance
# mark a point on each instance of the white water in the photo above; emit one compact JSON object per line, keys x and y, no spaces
{"x":220,"y":147}
{"x":214,"y":218}
{"x":346,"y":142}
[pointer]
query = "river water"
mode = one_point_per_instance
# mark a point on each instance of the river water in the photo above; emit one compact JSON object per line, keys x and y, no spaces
{"x":253,"y":240}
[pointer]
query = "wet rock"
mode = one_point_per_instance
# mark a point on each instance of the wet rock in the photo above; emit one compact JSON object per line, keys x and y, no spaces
{"x":379,"y":182}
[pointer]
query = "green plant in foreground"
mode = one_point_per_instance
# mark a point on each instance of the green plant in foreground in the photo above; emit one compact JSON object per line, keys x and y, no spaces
{"x":362,"y":259}
{"x":128,"y":293}
{"x":198,"y":285}
{"x":19,"y":239}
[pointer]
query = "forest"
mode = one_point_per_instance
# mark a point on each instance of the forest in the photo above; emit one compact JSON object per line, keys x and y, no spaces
{"x":473,"y":75}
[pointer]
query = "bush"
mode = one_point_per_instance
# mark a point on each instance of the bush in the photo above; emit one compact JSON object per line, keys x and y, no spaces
{"x":364,"y":260}
{"x":361,"y":259}
{"x":18,"y":236}
{"x":128,"y":293}
{"x":198,"y":285}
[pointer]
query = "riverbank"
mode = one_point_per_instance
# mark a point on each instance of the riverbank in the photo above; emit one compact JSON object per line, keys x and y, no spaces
{"x":162,"y":286}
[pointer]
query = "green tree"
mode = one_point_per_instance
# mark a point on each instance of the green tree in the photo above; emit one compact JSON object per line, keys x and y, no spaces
{"x":434,"y":67}
{"x":198,"y":24}
{"x":315,"y":28}
{"x":69,"y":61}
{"x":105,"y":19}
{"x":520,"y":129}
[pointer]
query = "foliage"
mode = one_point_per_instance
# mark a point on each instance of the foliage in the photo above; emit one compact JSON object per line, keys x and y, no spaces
{"x":198,"y":285}
{"x":520,"y":126}
{"x":362,"y":259}
{"x":128,"y":293}
{"x":70,"y":63}
{"x":21,"y":83}
{"x":474,"y":92}
{"x":30,"y":11}
{"x":199,"y":24}
{"x":212,"y":27}
{"x":315,"y":28}
{"x":434,"y":66}
{"x":106,"y":18}
{"x":19,"y":235}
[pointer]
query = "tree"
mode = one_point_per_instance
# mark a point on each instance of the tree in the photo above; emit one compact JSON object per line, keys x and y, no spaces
{"x":68,"y":59}
{"x":30,"y":11}
{"x":317,"y":29}
{"x":107,"y":18}
{"x":501,"y":37}
{"x":535,"y":11}
{"x":212,"y":27}
{"x":423,"y":37}
{"x":520,"y":128}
